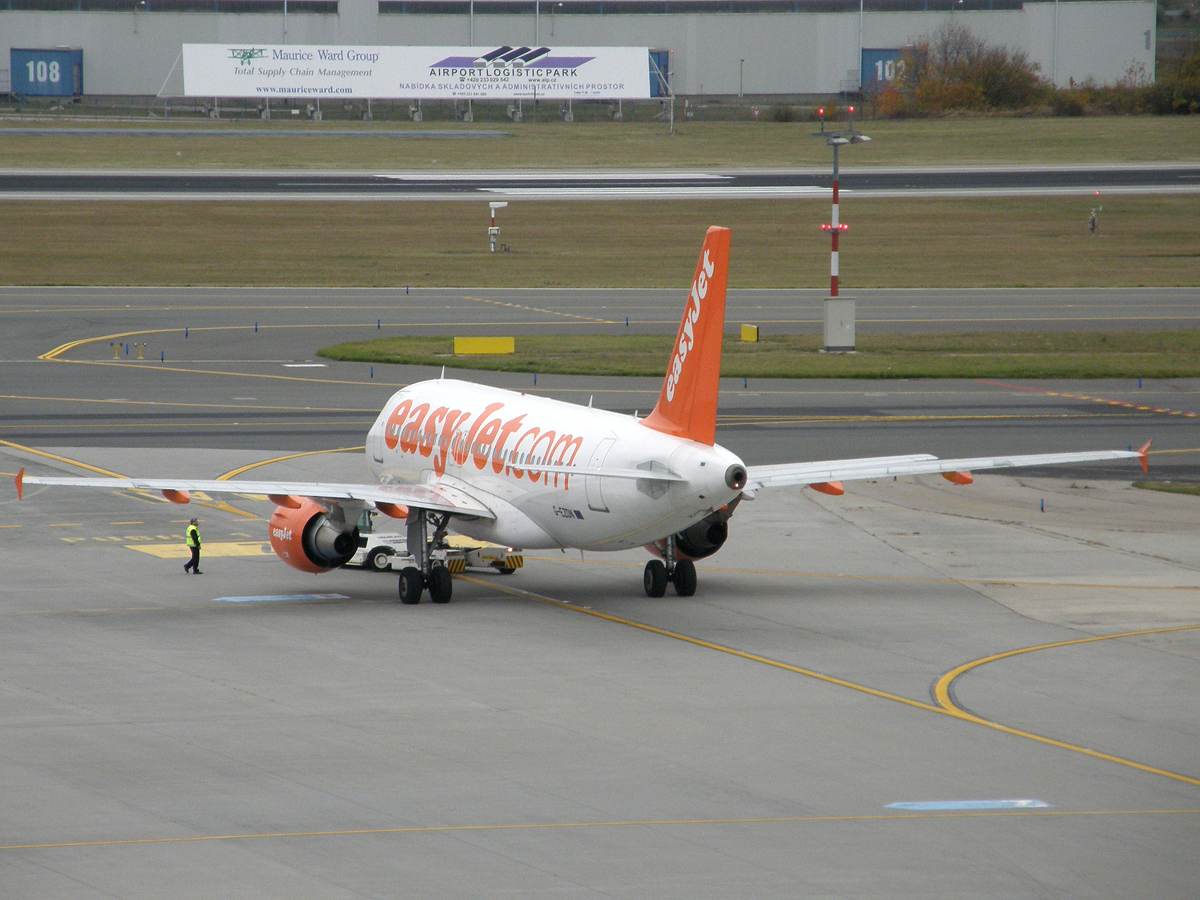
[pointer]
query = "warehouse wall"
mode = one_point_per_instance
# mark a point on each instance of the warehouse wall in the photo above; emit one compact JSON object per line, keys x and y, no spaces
{"x":784,"y":53}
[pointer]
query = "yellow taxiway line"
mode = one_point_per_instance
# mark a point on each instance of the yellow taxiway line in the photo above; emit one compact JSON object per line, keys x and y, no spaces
{"x":946,"y":707}
{"x":985,"y":582}
{"x":631,"y":823}
{"x":945,"y":683}
{"x":233,"y":473}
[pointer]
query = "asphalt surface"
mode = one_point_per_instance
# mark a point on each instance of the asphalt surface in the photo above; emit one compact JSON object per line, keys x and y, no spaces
{"x":238,"y":368}
{"x":1029,"y":642}
{"x":144,"y":185}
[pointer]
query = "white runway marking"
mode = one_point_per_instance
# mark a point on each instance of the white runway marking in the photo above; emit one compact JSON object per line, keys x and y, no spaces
{"x":970,"y":804}
{"x":281,"y":598}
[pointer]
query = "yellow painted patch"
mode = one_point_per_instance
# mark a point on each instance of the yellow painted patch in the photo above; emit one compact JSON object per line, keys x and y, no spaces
{"x":462,"y":542}
{"x":472,"y":345}
{"x":209,"y":549}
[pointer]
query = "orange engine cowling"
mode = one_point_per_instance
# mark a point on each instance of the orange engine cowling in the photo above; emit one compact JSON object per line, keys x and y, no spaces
{"x":306,"y":539}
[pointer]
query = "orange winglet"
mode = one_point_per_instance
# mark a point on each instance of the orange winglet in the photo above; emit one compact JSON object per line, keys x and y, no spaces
{"x":180,"y":497}
{"x":393,"y":510}
{"x":20,"y":480}
{"x":832,"y":488}
{"x":959,"y":477}
{"x":1143,"y":452}
{"x":286,"y":500}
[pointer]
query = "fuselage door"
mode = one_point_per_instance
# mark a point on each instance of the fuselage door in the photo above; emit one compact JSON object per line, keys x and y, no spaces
{"x":375,"y":444}
{"x":594,"y":483}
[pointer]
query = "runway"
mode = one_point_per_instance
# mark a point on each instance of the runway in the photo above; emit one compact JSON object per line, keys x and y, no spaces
{"x":599,"y":185}
{"x":1029,"y":642}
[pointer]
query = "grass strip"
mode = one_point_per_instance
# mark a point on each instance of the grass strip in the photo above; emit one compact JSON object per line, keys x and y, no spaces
{"x":605,"y":145}
{"x":897,"y":243}
{"x":1140,"y":354}
{"x":1169,"y":487}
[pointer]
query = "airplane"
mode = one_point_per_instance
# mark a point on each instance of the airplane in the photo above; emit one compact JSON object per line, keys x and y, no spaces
{"x":533,"y":473}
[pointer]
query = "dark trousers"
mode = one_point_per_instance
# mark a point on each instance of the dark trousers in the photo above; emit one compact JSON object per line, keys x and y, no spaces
{"x":194,"y":562}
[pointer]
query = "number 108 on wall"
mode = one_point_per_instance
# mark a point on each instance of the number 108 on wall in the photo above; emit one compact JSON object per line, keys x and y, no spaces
{"x":46,"y":73}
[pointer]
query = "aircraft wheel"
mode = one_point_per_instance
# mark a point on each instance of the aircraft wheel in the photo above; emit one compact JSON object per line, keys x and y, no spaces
{"x":684,"y":578}
{"x":440,"y":585}
{"x":380,"y":559}
{"x":655,"y":578}
{"x":411,"y":585}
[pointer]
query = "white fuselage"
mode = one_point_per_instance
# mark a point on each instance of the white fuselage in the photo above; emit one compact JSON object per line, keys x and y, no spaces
{"x":490,"y":442}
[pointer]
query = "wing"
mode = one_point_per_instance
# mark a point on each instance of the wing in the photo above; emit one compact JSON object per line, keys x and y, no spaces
{"x":435,"y":497}
{"x":919,"y":464}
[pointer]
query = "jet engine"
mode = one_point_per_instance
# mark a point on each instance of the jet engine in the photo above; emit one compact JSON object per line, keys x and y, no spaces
{"x":306,"y":537}
{"x":700,"y":539}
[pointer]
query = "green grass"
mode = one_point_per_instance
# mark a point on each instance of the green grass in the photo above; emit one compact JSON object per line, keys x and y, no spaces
{"x":954,"y":141}
{"x":1169,"y":487}
{"x":898,"y":243}
{"x":1161,"y":354}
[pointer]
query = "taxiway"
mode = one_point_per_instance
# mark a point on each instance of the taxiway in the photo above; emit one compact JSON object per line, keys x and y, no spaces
{"x":1031,"y":642}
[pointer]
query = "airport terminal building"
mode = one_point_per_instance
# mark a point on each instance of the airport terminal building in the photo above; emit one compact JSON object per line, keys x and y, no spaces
{"x":758,"y":48}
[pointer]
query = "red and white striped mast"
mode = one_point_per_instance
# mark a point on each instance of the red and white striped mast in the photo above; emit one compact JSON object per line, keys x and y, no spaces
{"x":835,"y":227}
{"x":837,"y":140}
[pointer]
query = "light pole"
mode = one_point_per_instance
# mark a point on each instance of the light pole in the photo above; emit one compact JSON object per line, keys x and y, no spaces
{"x":860,"y":44}
{"x":741,"y":69}
{"x":1054,"y":62}
{"x":537,"y":22}
{"x":839,"y":312}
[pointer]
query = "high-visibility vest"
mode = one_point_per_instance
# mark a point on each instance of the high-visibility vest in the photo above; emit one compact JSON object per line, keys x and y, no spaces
{"x":193,"y":536}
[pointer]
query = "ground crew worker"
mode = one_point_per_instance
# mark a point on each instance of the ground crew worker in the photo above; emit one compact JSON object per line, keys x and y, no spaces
{"x":193,"y":542}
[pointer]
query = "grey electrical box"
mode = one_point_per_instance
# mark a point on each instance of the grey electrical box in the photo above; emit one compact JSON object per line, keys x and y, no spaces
{"x":839,"y":325}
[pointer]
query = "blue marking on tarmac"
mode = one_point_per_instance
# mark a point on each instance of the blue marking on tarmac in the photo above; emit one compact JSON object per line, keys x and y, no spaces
{"x":971,"y":804}
{"x":281,"y":598}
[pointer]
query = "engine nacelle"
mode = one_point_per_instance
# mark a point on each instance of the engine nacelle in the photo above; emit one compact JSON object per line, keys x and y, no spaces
{"x":700,"y":539}
{"x":307,"y":539}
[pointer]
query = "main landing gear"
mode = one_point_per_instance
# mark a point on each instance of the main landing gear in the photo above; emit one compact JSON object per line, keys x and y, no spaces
{"x":680,"y":572}
{"x":412,"y":583}
{"x":415,"y":579}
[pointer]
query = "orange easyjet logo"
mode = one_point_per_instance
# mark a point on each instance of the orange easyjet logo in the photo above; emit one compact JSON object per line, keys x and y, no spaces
{"x":442,"y":435}
{"x":687,"y":338}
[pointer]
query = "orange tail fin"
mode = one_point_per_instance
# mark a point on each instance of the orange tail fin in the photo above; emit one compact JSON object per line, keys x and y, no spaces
{"x":687,"y":404}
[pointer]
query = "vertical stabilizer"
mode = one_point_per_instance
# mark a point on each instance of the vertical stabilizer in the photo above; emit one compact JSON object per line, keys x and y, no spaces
{"x":687,"y":404}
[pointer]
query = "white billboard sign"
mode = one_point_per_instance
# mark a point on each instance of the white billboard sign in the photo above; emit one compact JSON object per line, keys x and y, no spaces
{"x":433,"y":73}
